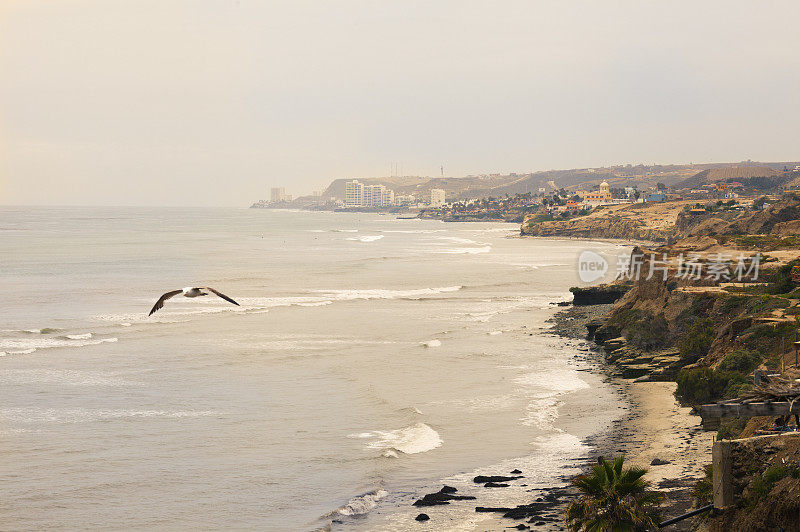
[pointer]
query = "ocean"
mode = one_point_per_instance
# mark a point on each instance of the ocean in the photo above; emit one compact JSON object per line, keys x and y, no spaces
{"x":371,"y":360}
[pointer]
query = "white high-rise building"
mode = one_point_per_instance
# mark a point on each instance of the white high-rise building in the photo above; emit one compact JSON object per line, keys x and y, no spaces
{"x":277,"y":194}
{"x":437,"y":197}
{"x":357,"y":194}
{"x":353,"y":193}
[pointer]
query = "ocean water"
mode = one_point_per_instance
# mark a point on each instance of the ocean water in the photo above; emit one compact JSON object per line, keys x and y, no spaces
{"x":371,"y":359}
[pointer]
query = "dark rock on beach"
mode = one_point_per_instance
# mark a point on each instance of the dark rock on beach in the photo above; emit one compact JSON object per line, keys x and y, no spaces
{"x":489,"y":509}
{"x":483,"y":479}
{"x":441,"y":497}
{"x":516,"y":472}
{"x":659,"y":461}
{"x":495,"y":485}
{"x":422,"y":517}
{"x":598,"y":295}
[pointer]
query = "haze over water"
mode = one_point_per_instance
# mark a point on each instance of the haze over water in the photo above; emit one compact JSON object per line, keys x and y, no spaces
{"x":371,"y":359}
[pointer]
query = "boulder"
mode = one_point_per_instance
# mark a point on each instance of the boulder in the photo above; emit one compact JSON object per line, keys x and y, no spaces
{"x":598,"y":295}
{"x":483,"y":479}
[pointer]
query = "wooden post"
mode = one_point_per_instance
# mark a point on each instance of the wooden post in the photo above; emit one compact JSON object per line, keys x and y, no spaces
{"x":796,"y":349}
{"x":783,"y":354}
{"x":723,"y":476}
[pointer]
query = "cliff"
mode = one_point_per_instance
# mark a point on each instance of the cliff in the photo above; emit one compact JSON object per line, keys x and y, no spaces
{"x":595,"y":228}
{"x":653,"y":222}
{"x":709,"y":337}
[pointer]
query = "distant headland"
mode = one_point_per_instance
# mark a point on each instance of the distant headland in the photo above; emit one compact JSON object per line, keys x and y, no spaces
{"x":551,"y":194}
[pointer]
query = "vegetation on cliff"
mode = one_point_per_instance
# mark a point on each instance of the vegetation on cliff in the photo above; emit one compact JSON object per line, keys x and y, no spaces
{"x":614,"y":498}
{"x":710,"y":335}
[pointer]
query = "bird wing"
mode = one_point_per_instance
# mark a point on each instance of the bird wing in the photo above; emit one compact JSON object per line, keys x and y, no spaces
{"x":160,"y":302}
{"x":223,"y":296}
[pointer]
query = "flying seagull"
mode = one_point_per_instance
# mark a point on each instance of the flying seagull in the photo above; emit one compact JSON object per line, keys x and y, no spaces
{"x":189,"y":292}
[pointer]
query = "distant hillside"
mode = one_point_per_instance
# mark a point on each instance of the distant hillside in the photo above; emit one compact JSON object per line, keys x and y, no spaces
{"x":642,"y":176}
{"x":762,"y":177}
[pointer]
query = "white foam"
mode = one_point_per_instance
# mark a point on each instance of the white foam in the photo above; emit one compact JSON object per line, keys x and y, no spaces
{"x":366,"y":238}
{"x":464,"y":251}
{"x":559,"y":382}
{"x":344,"y":230}
{"x":24,"y":346}
{"x":494,"y":333}
{"x":83,"y":415}
{"x":541,"y":413}
{"x":84,"y":336}
{"x":417,"y":438}
{"x":262,"y":304}
{"x":432,"y":343}
{"x":364,"y":503}
{"x":379,"y":293}
{"x":311,"y":344}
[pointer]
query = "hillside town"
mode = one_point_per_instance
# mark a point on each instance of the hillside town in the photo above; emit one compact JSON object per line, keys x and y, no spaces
{"x":554,"y":195}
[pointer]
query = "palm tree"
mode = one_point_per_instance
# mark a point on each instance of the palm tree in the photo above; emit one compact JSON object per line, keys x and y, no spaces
{"x":614,"y":500}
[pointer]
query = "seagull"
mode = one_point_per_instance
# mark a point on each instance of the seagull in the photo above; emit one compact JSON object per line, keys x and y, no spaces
{"x":189,"y":291}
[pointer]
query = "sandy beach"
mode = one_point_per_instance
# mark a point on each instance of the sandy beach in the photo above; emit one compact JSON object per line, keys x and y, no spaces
{"x":655,"y":427}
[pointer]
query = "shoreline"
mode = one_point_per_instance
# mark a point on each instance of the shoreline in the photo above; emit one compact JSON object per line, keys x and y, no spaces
{"x":654,"y":426}
{"x":623,"y":241}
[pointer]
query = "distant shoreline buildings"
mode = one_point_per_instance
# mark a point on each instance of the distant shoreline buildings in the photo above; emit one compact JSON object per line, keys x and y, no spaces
{"x":362,"y":195}
{"x":357,"y":194}
{"x":278,"y":195}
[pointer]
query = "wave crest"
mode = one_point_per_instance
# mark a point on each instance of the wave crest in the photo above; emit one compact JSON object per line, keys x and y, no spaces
{"x":417,"y":438}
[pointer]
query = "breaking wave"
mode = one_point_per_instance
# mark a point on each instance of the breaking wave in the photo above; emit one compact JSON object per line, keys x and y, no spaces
{"x":24,"y":346}
{"x":417,"y":438}
{"x":363,"y":504}
{"x":366,"y":238}
{"x":379,"y":293}
{"x":84,"y":336}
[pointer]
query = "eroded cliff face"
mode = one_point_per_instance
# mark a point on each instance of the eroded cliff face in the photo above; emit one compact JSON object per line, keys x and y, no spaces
{"x":649,"y":330}
{"x":612,"y":227}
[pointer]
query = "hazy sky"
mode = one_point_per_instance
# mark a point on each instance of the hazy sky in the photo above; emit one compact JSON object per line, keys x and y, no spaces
{"x":169,"y":102}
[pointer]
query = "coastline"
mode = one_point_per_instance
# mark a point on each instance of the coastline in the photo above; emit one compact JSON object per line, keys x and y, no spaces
{"x":653,"y":426}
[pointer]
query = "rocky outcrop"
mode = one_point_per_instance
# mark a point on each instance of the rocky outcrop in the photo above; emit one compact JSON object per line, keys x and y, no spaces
{"x":598,"y":295}
{"x":595,"y":227}
{"x":633,"y":363}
